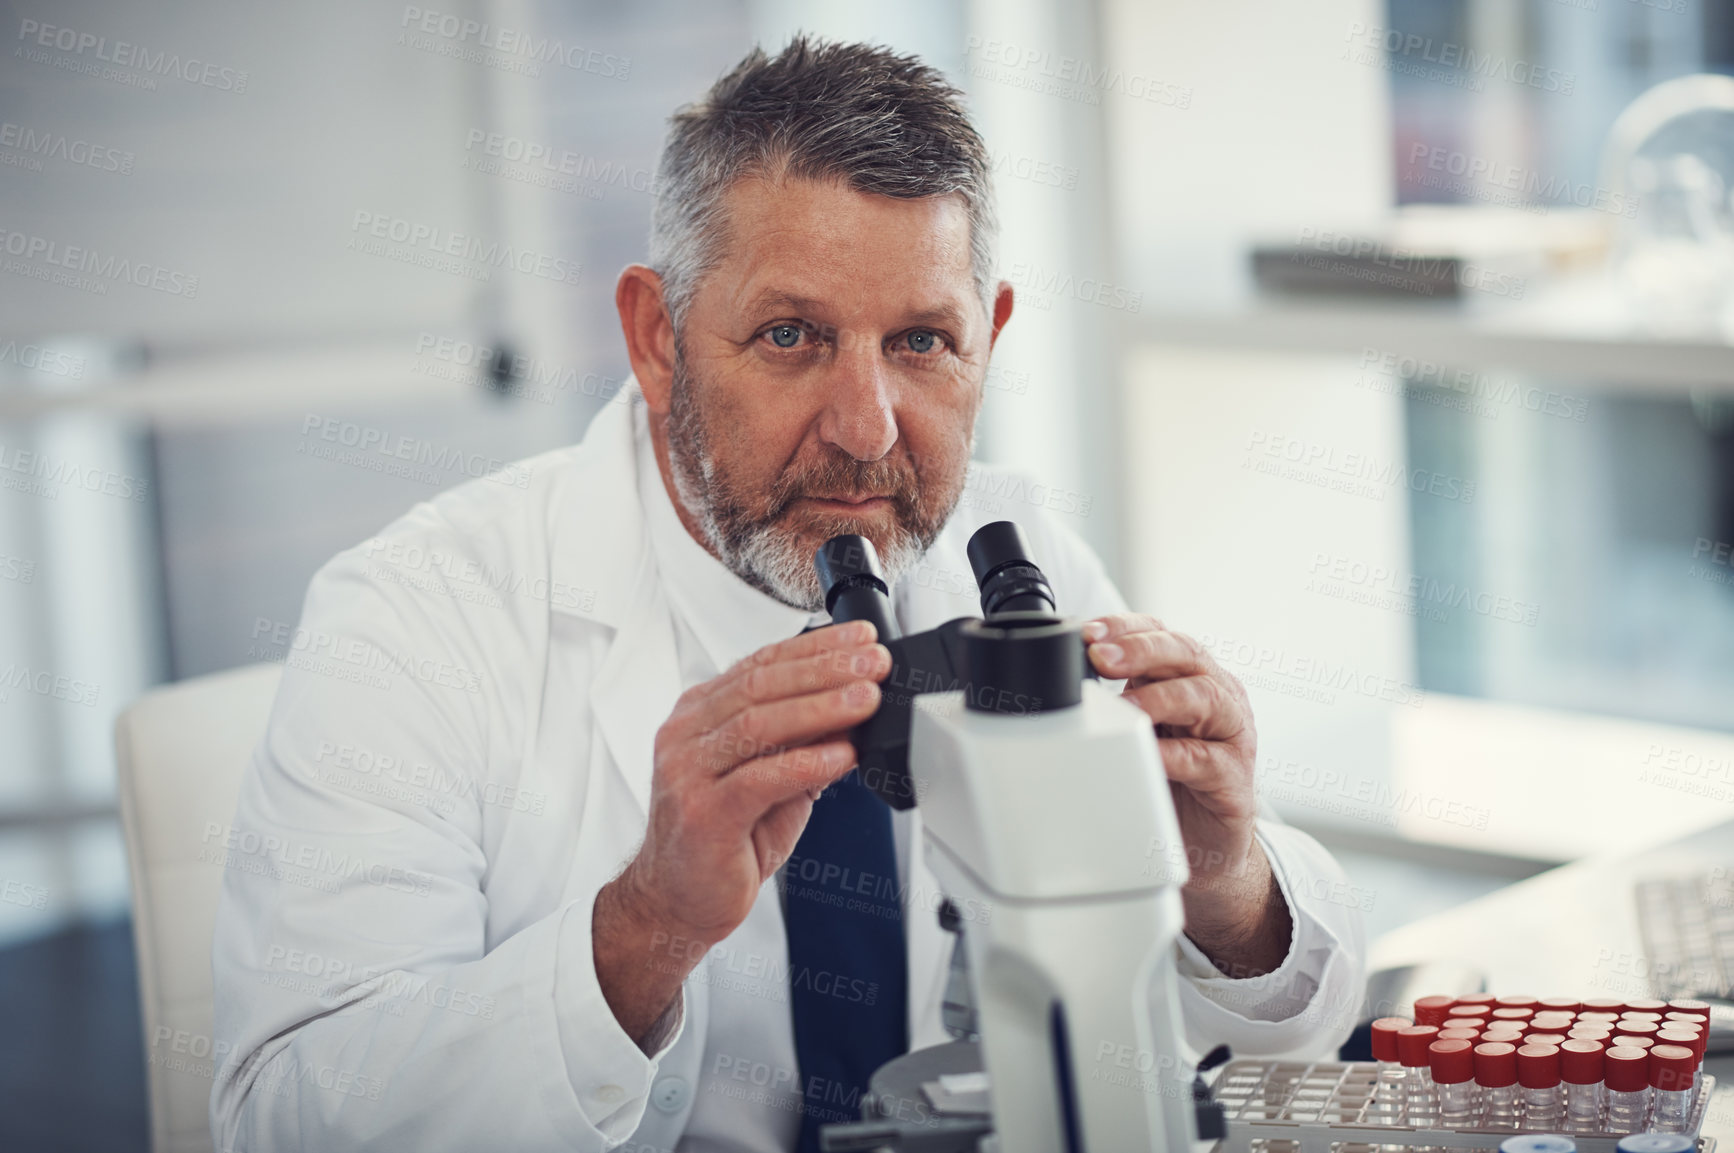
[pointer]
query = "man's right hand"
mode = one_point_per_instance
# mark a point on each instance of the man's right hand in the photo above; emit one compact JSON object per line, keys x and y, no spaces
{"x":738,"y":765}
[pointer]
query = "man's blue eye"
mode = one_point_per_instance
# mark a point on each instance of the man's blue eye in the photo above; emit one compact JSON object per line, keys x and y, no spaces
{"x":785,"y":335}
{"x":921,"y":341}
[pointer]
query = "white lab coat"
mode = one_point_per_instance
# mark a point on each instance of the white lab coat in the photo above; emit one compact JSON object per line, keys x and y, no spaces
{"x":459,"y":757}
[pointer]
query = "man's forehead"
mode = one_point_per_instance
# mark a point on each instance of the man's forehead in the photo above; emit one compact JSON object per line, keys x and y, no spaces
{"x":821,"y":244}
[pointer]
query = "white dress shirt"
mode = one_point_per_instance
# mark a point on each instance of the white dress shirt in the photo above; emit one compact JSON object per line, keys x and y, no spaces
{"x":459,"y":757}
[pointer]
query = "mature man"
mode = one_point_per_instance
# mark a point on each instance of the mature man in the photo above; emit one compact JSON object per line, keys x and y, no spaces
{"x":545,"y":849}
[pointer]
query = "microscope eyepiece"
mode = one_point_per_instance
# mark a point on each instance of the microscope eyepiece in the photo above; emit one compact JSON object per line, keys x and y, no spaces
{"x":1009,"y":580}
{"x":854,"y":584}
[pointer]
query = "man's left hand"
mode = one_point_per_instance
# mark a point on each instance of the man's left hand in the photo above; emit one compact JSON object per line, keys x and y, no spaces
{"x":1235,"y":911}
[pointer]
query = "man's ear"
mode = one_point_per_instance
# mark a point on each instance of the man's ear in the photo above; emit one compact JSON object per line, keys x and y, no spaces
{"x":1002,"y":310}
{"x":649,"y":333}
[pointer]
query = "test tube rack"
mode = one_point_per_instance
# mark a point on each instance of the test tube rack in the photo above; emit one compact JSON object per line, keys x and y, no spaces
{"x":1296,"y":1107}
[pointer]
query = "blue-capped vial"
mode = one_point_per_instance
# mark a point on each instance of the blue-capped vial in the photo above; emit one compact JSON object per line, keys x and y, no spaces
{"x":1538,"y":1143}
{"x":1657,"y":1143}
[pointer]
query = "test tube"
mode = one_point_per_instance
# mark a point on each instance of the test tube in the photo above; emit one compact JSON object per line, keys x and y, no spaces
{"x":1589,"y":1015}
{"x":1538,"y":1075}
{"x":1671,"y":1084}
{"x":1496,"y":1073}
{"x":1470,"y":1035}
{"x":1694,"y":1039}
{"x":1453,"y":1067}
{"x":1420,"y":1100}
{"x":1433,"y":1010}
{"x":1388,"y":1090}
{"x":1645,"y":1005}
{"x":1626,"y":1072}
{"x":1476,"y":999}
{"x":1580,"y":1068}
{"x":1513,"y":1013}
{"x":1627,"y":1041}
{"x":1688,"y":1005}
{"x":1468,"y":1021}
{"x":1591,"y":1032}
{"x":1517,"y":1001}
{"x":1538,"y":1038}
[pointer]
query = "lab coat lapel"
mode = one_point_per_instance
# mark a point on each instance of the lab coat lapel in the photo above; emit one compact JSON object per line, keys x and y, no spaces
{"x":638,"y":684}
{"x":601,"y":548}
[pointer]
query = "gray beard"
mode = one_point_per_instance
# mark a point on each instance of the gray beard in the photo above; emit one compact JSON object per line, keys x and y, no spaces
{"x":761,"y":550}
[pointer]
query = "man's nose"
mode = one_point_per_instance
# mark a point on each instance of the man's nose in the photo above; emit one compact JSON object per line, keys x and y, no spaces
{"x":859,"y":417}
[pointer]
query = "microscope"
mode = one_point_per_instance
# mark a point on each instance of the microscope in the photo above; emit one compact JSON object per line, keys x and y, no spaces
{"x":1042,"y":797}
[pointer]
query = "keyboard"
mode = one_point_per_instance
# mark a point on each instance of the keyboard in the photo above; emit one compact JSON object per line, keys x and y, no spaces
{"x":1687,"y":926}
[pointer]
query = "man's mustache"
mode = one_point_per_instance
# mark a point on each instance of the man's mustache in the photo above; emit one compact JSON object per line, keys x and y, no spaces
{"x":845,"y":476}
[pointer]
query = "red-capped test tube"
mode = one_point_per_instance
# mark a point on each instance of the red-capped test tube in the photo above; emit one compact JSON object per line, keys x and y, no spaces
{"x":1387,"y":1106}
{"x":1580,"y":1069}
{"x":1538,"y":1074}
{"x":1420,"y":1100}
{"x":1671,"y":1087}
{"x":1692,"y":1038}
{"x":1433,"y":1010}
{"x":1496,"y":1073}
{"x":1453,"y":1066}
{"x":1626,"y":1072}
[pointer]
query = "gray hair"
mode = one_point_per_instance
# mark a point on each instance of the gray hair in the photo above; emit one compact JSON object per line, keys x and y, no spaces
{"x":879,"y":122}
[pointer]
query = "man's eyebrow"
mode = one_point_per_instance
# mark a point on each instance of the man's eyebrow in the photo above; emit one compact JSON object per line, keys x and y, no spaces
{"x":778,"y":301}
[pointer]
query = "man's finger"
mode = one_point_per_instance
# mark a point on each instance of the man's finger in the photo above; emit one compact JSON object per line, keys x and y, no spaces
{"x":772,"y":727}
{"x":1157,"y":655}
{"x":1119,"y":624}
{"x":1199,"y":706}
{"x":753,"y":684}
{"x":752,"y":789}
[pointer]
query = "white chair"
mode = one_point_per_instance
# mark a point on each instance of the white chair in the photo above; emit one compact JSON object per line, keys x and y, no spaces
{"x":181,"y":751}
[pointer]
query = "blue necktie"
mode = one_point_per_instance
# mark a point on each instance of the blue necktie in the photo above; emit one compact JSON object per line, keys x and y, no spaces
{"x":848,"y":974}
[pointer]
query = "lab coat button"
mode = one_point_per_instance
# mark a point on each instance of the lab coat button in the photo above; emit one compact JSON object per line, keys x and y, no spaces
{"x":610,"y":1094}
{"x":670,"y":1094}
